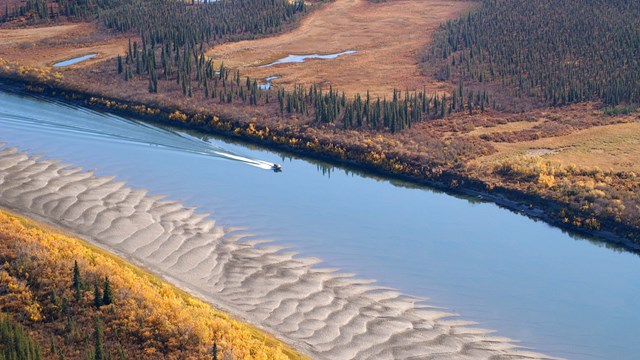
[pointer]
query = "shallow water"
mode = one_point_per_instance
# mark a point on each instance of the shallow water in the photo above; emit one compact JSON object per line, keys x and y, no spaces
{"x":267,"y":84}
{"x":303,"y":58}
{"x":557,"y":293}
{"x":74,"y":60}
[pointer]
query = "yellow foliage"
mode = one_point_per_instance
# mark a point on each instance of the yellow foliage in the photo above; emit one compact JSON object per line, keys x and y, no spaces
{"x":534,"y":168}
{"x":18,"y":298}
{"x":546,"y":180}
{"x":178,"y":116}
{"x":592,"y":223}
{"x":172,"y":318}
{"x":33,"y":73}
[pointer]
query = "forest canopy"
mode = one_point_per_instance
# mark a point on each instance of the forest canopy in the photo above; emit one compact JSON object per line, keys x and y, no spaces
{"x":564,"y":51}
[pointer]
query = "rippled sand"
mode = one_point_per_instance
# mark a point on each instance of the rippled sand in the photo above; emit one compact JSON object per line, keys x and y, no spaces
{"x":324,"y":313}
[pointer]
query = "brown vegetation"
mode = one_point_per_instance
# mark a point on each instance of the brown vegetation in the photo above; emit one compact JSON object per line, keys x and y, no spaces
{"x":32,"y":35}
{"x":590,"y":195}
{"x":615,"y":147}
{"x":386,"y":35}
{"x":578,"y":134}
{"x":44,"y":46}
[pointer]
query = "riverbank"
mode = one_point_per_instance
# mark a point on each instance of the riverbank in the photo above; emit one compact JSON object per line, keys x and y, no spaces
{"x":363,"y":154}
{"x":318,"y":309}
{"x":144,"y":317}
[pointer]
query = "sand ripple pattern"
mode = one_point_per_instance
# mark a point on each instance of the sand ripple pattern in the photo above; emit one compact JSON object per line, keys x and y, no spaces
{"x":324,"y":313}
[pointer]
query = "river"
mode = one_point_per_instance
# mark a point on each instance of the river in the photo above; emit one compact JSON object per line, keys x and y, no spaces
{"x":558,"y":293}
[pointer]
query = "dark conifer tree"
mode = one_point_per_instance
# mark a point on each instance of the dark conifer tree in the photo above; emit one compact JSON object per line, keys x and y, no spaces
{"x":98,"y":345}
{"x":77,"y":280}
{"x":97,"y":295}
{"x":107,"y":298}
{"x":119,"y":64}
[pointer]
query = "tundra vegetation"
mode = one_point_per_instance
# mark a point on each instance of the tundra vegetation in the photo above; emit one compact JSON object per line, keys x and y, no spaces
{"x":526,"y":76}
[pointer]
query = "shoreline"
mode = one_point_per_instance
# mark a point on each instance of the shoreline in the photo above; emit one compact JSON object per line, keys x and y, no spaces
{"x":530,"y":205}
{"x":319,"y":311}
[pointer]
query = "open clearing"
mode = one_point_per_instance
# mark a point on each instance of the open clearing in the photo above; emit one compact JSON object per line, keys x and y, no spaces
{"x":31,"y":35}
{"x":614,"y":147}
{"x":510,"y":126}
{"x":44,"y":46}
{"x":387,"y":37}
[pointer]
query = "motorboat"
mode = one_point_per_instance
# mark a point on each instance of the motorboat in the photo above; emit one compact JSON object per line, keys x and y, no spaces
{"x":276,"y":167}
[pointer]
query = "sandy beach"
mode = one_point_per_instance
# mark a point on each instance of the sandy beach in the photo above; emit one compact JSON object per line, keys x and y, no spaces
{"x":322,"y":312}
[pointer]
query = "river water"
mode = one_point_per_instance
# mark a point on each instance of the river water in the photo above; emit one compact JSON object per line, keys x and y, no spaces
{"x":555,"y":292}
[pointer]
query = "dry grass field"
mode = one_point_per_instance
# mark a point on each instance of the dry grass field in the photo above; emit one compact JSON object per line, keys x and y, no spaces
{"x":510,"y":126}
{"x":615,"y":147}
{"x":386,"y":35}
{"x":32,"y":35}
{"x":44,"y":46}
{"x":579,"y":134}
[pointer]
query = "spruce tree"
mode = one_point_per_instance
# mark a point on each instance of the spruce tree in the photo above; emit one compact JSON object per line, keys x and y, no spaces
{"x":53,"y":298}
{"x":97,"y":295}
{"x":214,"y":351}
{"x":119,"y":64}
{"x":98,"y":346}
{"x":107,"y":298}
{"x":77,"y":281}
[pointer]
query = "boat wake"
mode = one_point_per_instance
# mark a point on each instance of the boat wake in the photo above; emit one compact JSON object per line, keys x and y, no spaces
{"x":115,"y":128}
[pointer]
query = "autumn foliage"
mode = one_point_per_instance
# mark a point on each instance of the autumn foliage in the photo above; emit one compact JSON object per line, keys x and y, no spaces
{"x":146,"y":318}
{"x":590,"y":196}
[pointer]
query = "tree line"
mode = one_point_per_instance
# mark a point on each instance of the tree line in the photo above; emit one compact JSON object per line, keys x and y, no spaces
{"x":174,"y":36}
{"x":563,"y":51}
{"x":198,"y":75}
{"x":173,"y":45}
{"x":163,"y":21}
{"x":178,"y":23}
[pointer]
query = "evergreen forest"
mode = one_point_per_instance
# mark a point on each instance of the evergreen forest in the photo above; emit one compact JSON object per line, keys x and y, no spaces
{"x":562,"y":51}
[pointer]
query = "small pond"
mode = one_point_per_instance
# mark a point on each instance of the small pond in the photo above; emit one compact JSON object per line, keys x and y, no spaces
{"x":74,"y":60}
{"x":303,"y":58}
{"x":267,"y":84}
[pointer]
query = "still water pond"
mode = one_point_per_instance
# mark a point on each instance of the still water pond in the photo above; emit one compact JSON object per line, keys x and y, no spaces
{"x":557,"y":293}
{"x":302,"y":58}
{"x":74,"y":60}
